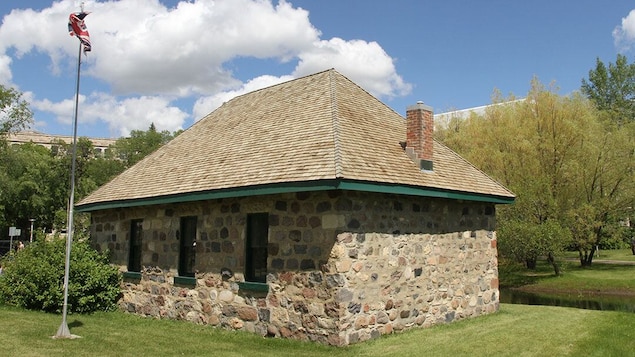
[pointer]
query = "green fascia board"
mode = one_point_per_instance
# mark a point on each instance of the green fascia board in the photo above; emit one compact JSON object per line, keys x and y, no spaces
{"x":303,"y":186}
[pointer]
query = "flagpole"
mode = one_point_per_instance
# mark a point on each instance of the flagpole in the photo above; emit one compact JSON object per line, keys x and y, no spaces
{"x":63,"y":331}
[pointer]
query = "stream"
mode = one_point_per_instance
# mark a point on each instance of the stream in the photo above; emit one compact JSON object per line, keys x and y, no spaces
{"x":600,"y":302}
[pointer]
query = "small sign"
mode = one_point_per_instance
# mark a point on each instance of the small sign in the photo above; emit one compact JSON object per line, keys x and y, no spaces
{"x":14,"y":232}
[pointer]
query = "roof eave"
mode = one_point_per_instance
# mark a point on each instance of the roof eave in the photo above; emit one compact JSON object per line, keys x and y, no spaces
{"x":303,"y":186}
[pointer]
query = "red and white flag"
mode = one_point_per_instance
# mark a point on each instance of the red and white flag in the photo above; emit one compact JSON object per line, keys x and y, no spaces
{"x":76,"y":27}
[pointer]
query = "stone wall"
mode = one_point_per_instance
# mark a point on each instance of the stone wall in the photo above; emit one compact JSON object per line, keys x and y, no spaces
{"x":343,"y":266}
{"x":394,"y":282}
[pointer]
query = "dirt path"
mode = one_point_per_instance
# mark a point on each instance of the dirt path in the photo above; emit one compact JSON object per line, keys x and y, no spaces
{"x":605,"y":261}
{"x":618,"y":262}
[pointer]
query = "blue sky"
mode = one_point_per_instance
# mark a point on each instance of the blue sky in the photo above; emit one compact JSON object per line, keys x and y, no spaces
{"x":171,"y":62}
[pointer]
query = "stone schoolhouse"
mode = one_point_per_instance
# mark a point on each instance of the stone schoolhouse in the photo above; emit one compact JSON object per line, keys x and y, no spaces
{"x":306,"y":210}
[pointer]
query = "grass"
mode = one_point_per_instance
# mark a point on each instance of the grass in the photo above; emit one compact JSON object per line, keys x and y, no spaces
{"x":516,"y":330}
{"x":614,"y":254}
{"x":603,"y":278}
{"x":599,"y":279}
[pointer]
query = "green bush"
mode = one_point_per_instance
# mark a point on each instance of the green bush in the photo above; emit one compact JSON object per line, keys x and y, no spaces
{"x":34,"y":278}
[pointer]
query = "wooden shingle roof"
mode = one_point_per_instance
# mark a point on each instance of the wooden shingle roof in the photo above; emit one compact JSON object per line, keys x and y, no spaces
{"x":317,"y":132}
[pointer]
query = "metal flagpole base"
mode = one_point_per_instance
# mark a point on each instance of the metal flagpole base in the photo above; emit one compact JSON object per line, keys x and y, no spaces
{"x":64,"y":332}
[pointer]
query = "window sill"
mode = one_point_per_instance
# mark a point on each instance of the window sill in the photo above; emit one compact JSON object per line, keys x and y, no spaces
{"x":253,"y":286}
{"x":185,"y":280}
{"x":132,"y":275}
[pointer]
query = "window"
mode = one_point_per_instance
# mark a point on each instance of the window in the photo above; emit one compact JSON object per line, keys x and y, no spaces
{"x":187,"y":246}
{"x":256,"y":247}
{"x":136,"y":236}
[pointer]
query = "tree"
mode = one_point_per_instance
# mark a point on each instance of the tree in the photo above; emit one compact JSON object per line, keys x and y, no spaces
{"x":27,"y":173}
{"x":612,"y":89}
{"x":606,"y":188}
{"x":526,"y":242}
{"x":140,"y":143}
{"x":557,"y":154}
{"x":85,"y":183}
{"x":14,"y":111}
{"x":103,"y":169}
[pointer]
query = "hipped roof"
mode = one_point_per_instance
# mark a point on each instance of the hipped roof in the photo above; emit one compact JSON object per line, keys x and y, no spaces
{"x":317,"y":132}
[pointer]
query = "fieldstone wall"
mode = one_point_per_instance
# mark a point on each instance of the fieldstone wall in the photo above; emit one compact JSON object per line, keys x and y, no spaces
{"x":393,"y":282}
{"x":343,"y":266}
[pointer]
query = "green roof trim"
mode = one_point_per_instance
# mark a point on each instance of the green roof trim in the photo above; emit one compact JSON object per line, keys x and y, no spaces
{"x":290,"y":187}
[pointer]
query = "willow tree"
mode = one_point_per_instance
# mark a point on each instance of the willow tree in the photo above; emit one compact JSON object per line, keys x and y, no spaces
{"x":605,"y":190}
{"x":539,"y":147}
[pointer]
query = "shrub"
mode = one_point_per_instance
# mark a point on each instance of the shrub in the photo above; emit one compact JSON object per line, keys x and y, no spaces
{"x":34,"y":278}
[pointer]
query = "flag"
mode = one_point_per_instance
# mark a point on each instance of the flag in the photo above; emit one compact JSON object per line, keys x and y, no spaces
{"x":76,"y":27}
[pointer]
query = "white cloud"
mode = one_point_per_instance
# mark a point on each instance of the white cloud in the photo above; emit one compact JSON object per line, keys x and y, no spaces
{"x":120,"y":115}
{"x":181,"y":51}
{"x":44,"y":31}
{"x":366,"y":63}
{"x":5,"y":69}
{"x":624,"y":35}
{"x":150,"y":54}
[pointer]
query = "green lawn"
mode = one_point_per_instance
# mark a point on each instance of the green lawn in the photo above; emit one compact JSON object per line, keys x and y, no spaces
{"x":516,"y":330}
{"x":615,"y":254}
{"x":601,"y":277}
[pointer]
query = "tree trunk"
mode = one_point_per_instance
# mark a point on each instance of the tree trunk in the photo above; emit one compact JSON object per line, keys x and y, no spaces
{"x":554,"y":264}
{"x":581,"y":256}
{"x":589,"y":259}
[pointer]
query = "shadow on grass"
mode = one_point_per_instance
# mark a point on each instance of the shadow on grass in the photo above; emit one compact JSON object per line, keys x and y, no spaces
{"x":512,"y":275}
{"x":75,"y":323}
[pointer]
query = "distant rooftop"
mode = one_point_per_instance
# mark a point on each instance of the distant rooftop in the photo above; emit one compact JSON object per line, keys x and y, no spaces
{"x":443,"y":119}
{"x":49,"y":140}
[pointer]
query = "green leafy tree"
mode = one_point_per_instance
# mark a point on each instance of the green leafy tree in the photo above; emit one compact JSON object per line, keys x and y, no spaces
{"x":612,"y":88}
{"x":87,"y":176}
{"x":104,"y":169}
{"x":27,"y":175}
{"x":557,"y":154}
{"x":14,"y":115}
{"x":527,"y":242}
{"x":606,"y":188}
{"x":140,"y":143}
{"x":14,"y":111}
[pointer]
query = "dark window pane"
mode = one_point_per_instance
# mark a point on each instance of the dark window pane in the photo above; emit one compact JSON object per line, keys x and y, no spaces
{"x":256,"y":247}
{"x":187,"y":256}
{"x":136,"y":235}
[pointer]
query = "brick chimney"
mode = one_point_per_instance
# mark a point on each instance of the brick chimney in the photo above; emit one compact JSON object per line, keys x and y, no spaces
{"x":419,"y":143}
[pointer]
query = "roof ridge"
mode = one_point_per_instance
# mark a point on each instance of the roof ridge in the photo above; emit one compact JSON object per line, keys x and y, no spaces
{"x":336,"y":127}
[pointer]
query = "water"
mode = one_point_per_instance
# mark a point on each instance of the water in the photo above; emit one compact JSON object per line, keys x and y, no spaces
{"x":611,"y":302}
